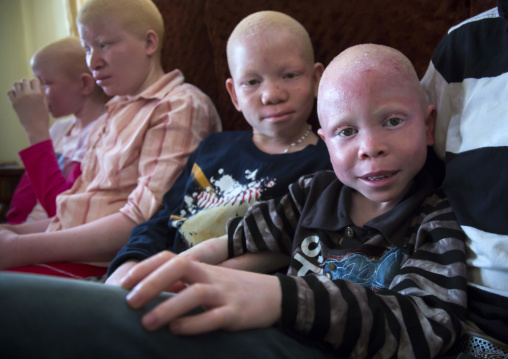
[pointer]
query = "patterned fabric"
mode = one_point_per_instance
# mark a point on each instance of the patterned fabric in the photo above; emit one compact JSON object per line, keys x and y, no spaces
{"x":394,"y":287}
{"x":225,"y":175}
{"x":467,"y":80}
{"x":137,"y":151}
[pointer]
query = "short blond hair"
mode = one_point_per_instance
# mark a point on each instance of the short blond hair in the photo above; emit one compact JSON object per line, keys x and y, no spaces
{"x":271,"y":22}
{"x":66,"y":54}
{"x":135,"y":16}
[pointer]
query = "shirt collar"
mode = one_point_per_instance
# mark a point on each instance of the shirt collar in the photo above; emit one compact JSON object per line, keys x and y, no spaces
{"x":157,"y":90}
{"x":329,"y":211}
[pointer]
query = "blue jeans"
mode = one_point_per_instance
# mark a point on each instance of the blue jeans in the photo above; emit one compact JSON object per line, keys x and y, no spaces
{"x":49,"y":317}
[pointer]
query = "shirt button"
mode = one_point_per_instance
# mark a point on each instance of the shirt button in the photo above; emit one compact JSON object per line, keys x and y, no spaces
{"x":349,"y":232}
{"x":328,"y":275}
{"x":331,"y":266}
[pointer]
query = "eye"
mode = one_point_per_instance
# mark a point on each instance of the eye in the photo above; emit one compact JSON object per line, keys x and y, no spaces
{"x":348,"y":132}
{"x":103,"y":45}
{"x":250,"y":83}
{"x":394,"y":121}
{"x":290,"y":75}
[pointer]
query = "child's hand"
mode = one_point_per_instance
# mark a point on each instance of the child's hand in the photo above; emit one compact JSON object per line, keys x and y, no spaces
{"x":234,"y":300}
{"x":29,"y":101}
{"x":116,"y":277}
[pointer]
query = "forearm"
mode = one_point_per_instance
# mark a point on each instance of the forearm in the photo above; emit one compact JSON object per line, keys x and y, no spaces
{"x":116,"y":277}
{"x":211,"y":251}
{"x":28,"y":227}
{"x":95,"y":241}
{"x":266,"y":262}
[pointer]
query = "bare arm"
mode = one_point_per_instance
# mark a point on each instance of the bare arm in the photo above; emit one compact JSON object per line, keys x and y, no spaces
{"x":117,"y":276}
{"x":211,"y":251}
{"x":28,"y":227}
{"x":264,"y":262}
{"x":91,"y":242}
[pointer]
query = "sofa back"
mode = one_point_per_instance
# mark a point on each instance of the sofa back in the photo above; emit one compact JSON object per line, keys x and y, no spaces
{"x":196,"y":33}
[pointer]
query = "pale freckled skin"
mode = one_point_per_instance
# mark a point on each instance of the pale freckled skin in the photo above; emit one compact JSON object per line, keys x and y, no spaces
{"x":376,"y":125}
{"x":274,"y":79}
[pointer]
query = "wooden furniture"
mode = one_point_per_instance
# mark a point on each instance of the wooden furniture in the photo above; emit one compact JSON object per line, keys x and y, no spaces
{"x":9,"y":178}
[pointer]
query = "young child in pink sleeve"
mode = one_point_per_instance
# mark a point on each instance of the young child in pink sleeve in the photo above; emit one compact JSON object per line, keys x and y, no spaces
{"x":63,"y":86}
{"x":153,"y":122}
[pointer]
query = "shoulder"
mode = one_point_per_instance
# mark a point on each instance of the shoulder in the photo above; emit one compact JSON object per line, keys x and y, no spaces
{"x":489,"y":14}
{"x":437,"y":208}
{"x":319,"y":180}
{"x":227,"y":140}
{"x":225,"y":147}
{"x":61,"y":127}
{"x":477,"y":48}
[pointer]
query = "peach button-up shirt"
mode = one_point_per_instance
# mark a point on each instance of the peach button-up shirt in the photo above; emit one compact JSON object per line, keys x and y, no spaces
{"x":136,"y":151}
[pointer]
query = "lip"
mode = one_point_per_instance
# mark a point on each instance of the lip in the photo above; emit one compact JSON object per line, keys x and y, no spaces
{"x":379,"y":178}
{"x":100,"y":78}
{"x":277,"y":116}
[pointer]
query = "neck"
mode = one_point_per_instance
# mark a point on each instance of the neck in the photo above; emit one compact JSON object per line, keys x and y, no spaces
{"x":153,"y":75}
{"x":277,"y":145}
{"x":91,"y":110}
{"x":362,"y":209}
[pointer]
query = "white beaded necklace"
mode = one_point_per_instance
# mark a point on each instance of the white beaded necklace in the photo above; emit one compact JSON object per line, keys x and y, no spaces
{"x":305,"y":135}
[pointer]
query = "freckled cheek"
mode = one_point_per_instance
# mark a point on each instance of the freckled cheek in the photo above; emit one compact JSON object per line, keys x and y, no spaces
{"x":340,"y":156}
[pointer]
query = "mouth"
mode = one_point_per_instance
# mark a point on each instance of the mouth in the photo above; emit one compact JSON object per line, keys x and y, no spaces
{"x":378,"y":176}
{"x":277,"y":115}
{"x":100,"y":78}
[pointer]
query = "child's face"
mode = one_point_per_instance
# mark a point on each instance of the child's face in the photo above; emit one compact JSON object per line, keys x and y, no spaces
{"x":377,"y":131}
{"x":118,"y":59}
{"x":273,"y":84}
{"x":63,"y":93}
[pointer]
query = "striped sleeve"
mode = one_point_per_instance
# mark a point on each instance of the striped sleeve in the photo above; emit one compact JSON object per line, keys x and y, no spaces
{"x":419,"y":316}
{"x":268,"y":225}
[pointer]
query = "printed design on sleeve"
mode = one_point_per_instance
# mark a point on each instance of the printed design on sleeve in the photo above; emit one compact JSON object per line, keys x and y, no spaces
{"x":366,"y":271}
{"x":356,"y":265}
{"x":207,"y":209}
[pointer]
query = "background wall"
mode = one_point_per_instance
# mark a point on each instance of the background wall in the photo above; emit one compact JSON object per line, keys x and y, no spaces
{"x":25,"y":25}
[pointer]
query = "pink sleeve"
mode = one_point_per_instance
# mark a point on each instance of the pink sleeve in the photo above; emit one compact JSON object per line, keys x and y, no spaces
{"x":47,"y":180}
{"x":22,"y":202}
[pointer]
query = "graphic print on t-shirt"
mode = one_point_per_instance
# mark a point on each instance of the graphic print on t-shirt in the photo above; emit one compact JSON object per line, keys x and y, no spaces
{"x":215,"y":200}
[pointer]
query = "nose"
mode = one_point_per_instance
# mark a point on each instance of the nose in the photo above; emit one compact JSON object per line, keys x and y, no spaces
{"x":273,"y":92}
{"x":94,"y":60}
{"x":372,"y":146}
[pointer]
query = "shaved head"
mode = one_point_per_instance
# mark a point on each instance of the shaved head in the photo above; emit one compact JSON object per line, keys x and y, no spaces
{"x":135,"y":16}
{"x":270,"y":24}
{"x":66,"y":54}
{"x":358,"y":60}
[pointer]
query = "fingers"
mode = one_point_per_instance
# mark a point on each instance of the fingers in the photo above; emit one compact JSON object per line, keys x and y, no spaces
{"x":154,"y":281}
{"x":195,"y":296}
{"x":144,"y":268}
{"x":25,"y":86}
{"x":211,"y":320}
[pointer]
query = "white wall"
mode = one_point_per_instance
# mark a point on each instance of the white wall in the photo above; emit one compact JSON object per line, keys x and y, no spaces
{"x":25,"y":25}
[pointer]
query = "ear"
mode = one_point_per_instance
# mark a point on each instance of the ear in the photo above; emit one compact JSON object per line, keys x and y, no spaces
{"x":87,"y":83}
{"x":151,"y":42}
{"x":316,"y":76}
{"x":230,"y":86}
{"x":321,"y":134}
{"x":430,"y":122}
